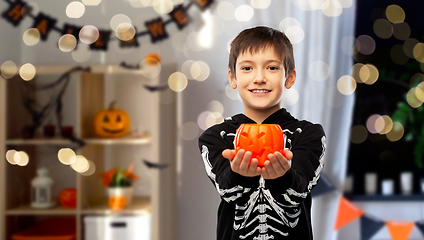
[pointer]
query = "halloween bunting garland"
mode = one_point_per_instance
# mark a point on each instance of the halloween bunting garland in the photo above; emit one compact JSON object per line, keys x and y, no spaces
{"x":19,"y":9}
{"x":369,"y":224}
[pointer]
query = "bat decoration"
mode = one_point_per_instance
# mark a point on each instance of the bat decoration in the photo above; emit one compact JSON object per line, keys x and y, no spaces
{"x":156,"y":88}
{"x":154,"y":165}
{"x":134,"y":67}
{"x":80,"y":142}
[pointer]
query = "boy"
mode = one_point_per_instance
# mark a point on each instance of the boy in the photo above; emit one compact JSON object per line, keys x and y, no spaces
{"x":273,"y":201}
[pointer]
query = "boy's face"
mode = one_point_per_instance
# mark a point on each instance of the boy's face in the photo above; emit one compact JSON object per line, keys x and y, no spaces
{"x":260,"y":79}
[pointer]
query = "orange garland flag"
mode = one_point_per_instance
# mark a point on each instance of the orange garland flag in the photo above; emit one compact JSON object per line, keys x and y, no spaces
{"x":400,"y":230}
{"x":347,"y":213}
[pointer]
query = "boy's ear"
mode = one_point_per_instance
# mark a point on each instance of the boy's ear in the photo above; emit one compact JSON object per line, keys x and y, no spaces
{"x":232,"y":80}
{"x":290,"y":79}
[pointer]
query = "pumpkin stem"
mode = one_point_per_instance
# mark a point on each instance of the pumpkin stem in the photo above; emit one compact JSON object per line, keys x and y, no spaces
{"x":112,"y":105}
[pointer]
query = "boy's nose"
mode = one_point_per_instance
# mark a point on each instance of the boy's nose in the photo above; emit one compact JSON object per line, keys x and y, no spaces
{"x":259,"y":79}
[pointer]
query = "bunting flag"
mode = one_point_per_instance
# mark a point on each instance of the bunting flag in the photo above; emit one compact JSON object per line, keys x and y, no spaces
{"x":71,"y":29}
{"x":130,"y":43}
{"x":370,"y":226}
{"x":101,"y":42}
{"x":347,"y":212}
{"x":19,"y":9}
{"x":44,"y":24}
{"x":180,"y":17}
{"x":156,"y":29}
{"x":420,"y":226}
{"x":16,"y":12}
{"x":400,"y":230}
{"x":324,"y":186}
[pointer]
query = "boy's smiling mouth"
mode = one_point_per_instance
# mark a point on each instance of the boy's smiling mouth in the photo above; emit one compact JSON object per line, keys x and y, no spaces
{"x":260,"y":91}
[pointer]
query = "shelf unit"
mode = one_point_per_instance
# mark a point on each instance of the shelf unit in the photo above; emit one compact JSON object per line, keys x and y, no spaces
{"x":87,"y":92}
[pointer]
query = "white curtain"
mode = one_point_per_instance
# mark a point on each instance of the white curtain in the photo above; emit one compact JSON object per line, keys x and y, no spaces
{"x":326,"y":39}
{"x":320,"y":62}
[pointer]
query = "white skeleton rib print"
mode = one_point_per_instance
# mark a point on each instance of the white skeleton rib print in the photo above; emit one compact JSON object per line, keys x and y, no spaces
{"x":261,"y":200}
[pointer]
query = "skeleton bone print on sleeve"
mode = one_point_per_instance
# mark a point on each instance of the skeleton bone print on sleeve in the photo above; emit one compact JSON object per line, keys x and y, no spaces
{"x":228,"y":195}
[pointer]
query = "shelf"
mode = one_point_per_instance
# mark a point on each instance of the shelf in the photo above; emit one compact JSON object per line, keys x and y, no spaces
{"x":61,"y":141}
{"x":116,"y":141}
{"x":39,"y":141}
{"x":139,"y":205}
{"x":104,"y":69}
{"x":385,"y":198}
{"x":28,"y":210}
{"x":86,"y":93}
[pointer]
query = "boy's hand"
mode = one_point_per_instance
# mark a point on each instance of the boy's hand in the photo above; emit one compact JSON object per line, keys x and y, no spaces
{"x":240,"y":162}
{"x":277,"y":165}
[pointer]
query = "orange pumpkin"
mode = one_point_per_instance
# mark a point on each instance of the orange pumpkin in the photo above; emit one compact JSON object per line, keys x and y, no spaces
{"x":117,"y":202}
{"x":68,"y":197}
{"x":111,"y":123}
{"x":260,"y":140}
{"x":152,"y":59}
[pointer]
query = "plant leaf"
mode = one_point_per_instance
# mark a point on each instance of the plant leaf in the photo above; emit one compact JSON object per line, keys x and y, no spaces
{"x":419,"y":149}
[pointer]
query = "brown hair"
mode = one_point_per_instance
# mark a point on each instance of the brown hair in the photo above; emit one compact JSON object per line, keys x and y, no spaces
{"x":259,"y":38}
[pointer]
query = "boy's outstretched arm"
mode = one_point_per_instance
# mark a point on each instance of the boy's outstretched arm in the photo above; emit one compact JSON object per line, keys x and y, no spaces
{"x":232,"y":186}
{"x":302,"y":172}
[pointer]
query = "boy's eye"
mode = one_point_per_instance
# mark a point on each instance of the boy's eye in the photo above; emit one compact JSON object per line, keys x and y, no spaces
{"x":273,"y":68}
{"x":246,"y":68}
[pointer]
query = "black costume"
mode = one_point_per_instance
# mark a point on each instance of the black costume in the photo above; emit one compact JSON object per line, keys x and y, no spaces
{"x":259,"y":209}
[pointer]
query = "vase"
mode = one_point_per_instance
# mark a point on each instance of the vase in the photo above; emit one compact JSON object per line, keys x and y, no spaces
{"x":126,"y":192}
{"x":370,"y":183}
{"x":406,"y":182}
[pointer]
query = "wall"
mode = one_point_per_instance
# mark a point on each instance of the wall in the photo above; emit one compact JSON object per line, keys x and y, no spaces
{"x":9,"y":40}
{"x":195,"y":220}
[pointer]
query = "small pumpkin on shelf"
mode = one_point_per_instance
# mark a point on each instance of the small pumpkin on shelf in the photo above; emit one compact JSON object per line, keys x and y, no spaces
{"x":68,"y":197}
{"x":111,"y":122}
{"x":117,"y":203}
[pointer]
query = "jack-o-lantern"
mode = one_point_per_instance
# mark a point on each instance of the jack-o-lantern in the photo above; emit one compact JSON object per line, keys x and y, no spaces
{"x":260,"y":140}
{"x":117,"y":202}
{"x":68,"y":197}
{"x":111,"y":123}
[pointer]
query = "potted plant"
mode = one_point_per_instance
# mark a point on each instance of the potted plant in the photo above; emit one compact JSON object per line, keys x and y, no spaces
{"x":413,"y":118}
{"x":119,"y":183}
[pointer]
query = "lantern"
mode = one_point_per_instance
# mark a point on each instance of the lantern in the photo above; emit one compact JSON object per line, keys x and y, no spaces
{"x":260,"y":140}
{"x":41,"y":190}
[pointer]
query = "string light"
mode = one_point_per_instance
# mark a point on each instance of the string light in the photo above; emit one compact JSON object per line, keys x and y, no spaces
{"x":66,"y":156}
{"x":244,"y":13}
{"x":27,"y":71}
{"x":8,"y":69}
{"x":75,"y":10}
{"x":31,"y":37}
{"x":226,"y":10}
{"x":177,"y":82}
